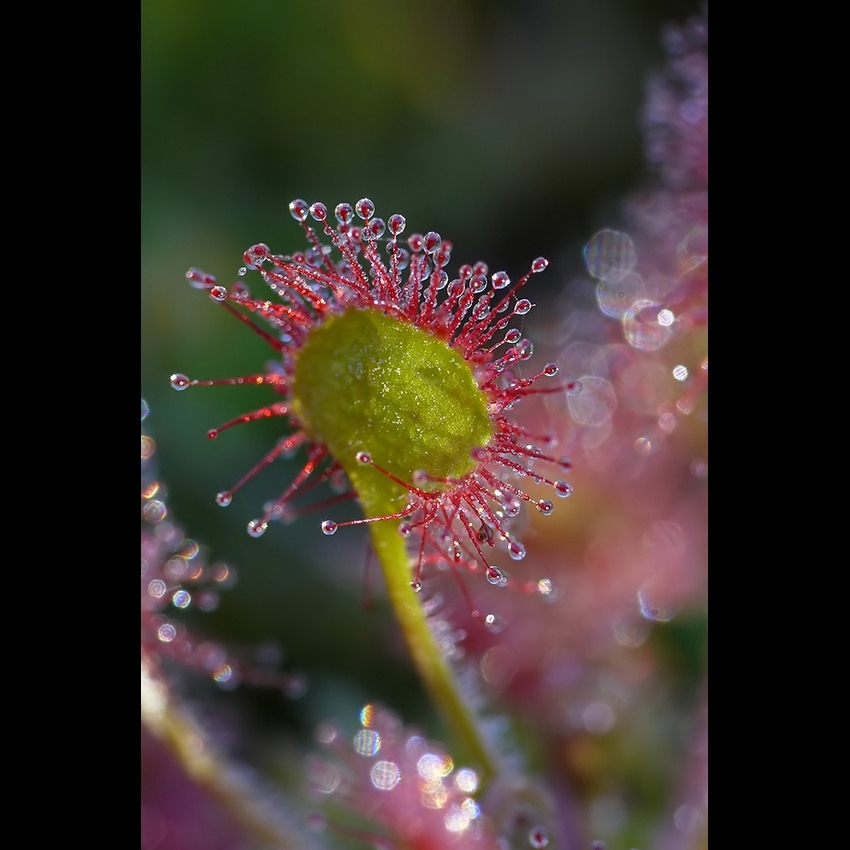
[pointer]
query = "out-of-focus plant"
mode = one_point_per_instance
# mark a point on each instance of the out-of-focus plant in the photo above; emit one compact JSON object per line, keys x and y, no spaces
{"x":571,"y":691}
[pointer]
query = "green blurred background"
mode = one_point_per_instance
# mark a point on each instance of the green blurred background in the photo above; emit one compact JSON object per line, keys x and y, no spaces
{"x":512,"y":128}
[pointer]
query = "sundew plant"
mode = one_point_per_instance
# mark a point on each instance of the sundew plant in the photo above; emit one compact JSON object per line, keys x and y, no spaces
{"x":535,"y":509}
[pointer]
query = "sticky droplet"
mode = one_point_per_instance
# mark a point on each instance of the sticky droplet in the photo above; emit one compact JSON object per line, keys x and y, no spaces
{"x":496,"y":576}
{"x":299,"y":209}
{"x":365,"y":208}
{"x":516,"y":550}
{"x":180,"y":382}
{"x":494,"y":623}
{"x":396,"y":223}
{"x":538,"y":838}
{"x":563,"y":489}
{"x":257,"y":527}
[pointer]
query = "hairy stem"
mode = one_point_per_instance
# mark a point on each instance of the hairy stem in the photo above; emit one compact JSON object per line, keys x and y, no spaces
{"x":430,"y":662}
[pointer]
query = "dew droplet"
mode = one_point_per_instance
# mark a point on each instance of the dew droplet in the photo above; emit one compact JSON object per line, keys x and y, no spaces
{"x":344,"y":213}
{"x":513,"y":336}
{"x":404,"y":529}
{"x":513,"y":506}
{"x":550,"y":369}
{"x":500,"y":280}
{"x":539,"y":265}
{"x":522,"y":306}
{"x":563,"y":489}
{"x":363,"y":457}
{"x":496,"y":576}
{"x":299,"y":209}
{"x":257,"y":527}
{"x":494,"y":623}
{"x":516,"y":550}
{"x":319,"y":211}
{"x":224,"y":498}
{"x":455,"y":288}
{"x":218,"y":293}
{"x":212,"y":433}
{"x":365,"y":208}
{"x":432,"y":241}
{"x":181,"y":599}
{"x":180,"y":382}
{"x":545,"y":587}
{"x":439,"y":279}
{"x":255,"y":255}
{"x":416,"y":585}
{"x":375,"y":228}
{"x":545,"y":507}
{"x":538,"y":838}
{"x":396,"y":223}
{"x":329,"y":527}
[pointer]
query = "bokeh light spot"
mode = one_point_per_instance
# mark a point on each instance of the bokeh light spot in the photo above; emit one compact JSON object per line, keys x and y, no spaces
{"x":616,"y":297}
{"x":456,"y":820}
{"x":610,"y":255}
{"x":596,"y":402}
{"x":466,"y":780}
{"x":385,"y":775}
{"x":367,"y":742}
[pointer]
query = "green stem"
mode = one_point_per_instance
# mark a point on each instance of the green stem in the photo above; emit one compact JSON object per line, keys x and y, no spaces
{"x":430,"y":662}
